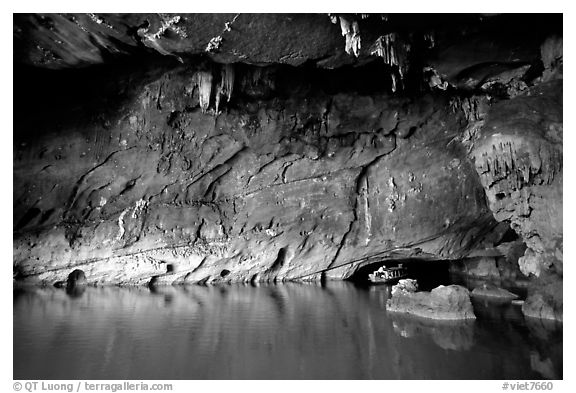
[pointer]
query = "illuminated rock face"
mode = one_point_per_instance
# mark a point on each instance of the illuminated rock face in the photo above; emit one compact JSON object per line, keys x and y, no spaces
{"x":519,"y":160}
{"x":232,"y":166}
{"x":266,"y":190}
{"x":450,"y":302}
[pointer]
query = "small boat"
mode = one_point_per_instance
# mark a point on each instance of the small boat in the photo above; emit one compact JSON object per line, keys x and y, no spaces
{"x":388,"y":274}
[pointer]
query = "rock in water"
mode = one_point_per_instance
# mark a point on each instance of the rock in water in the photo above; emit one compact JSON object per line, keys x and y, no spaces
{"x":407,"y":284}
{"x":545,"y":302}
{"x":450,"y":302}
{"x":453,"y":335}
{"x":492,"y":291}
{"x":76,"y":278}
{"x":483,"y":267}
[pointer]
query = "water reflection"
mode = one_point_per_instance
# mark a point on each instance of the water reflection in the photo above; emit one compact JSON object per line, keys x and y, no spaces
{"x":453,"y":335}
{"x":288,"y":331}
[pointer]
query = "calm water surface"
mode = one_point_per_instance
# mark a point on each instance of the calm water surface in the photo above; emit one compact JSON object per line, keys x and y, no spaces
{"x":285,"y":331}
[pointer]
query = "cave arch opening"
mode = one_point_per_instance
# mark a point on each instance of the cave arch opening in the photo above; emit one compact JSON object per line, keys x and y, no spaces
{"x":428,"y":273}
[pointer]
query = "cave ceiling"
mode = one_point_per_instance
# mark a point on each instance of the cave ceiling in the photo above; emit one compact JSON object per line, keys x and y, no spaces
{"x":460,"y":49}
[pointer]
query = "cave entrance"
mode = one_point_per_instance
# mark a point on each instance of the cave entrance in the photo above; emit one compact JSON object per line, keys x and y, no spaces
{"x":428,"y":273}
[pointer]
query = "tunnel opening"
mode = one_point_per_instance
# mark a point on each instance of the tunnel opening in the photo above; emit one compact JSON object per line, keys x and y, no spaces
{"x":428,"y":274}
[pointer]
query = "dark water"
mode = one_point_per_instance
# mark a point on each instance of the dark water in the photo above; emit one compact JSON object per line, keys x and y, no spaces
{"x":288,"y":331}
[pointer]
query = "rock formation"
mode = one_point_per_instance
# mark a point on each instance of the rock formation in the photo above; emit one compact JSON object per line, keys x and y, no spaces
{"x":490,"y":291}
{"x":450,"y":302}
{"x":183,"y":148}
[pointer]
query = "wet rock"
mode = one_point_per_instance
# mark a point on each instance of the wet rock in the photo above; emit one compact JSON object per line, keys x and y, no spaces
{"x":406,"y":284}
{"x":545,"y":301}
{"x":518,"y":156}
{"x":532,"y":263}
{"x":276,"y":172}
{"x":76,"y":278}
{"x":452,"y":335}
{"x":491,"y":291}
{"x":269,"y":189}
{"x":484,"y":267}
{"x":552,"y":56}
{"x":444,"y":302}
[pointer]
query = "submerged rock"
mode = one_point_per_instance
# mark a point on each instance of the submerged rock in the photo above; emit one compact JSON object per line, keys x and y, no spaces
{"x":450,"y":302}
{"x":453,"y":335}
{"x":492,"y":291}
{"x":545,"y":302}
{"x":76,"y":283}
{"x":484,"y":267}
{"x":76,"y":278}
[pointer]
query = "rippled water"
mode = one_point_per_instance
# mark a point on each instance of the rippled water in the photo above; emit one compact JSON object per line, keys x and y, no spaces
{"x":285,"y":331}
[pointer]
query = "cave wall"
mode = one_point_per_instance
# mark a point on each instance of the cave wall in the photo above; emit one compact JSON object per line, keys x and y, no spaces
{"x":519,"y":159}
{"x":268,"y":188}
{"x":152,"y":154}
{"x":517,"y":148}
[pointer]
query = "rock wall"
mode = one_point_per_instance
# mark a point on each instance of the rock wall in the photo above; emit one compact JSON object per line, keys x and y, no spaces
{"x":519,"y":160}
{"x":518,"y":153}
{"x":198,"y":155}
{"x":275,"y":185}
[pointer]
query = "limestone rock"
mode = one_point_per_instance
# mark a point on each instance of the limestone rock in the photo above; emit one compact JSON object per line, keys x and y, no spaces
{"x":444,"y":302}
{"x":518,"y":156}
{"x":406,"y":284}
{"x":531,"y":263}
{"x":545,"y":301}
{"x":492,"y":291}
{"x":268,"y":189}
{"x":298,"y":169}
{"x":484,"y":267}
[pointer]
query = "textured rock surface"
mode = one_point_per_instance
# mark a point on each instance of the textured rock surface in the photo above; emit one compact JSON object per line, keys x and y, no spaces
{"x":450,"y":302}
{"x":65,"y":40}
{"x":482,"y":267}
{"x":519,"y":159}
{"x":493,"y":292}
{"x":188,"y":161}
{"x":267,"y":189}
{"x":545,"y":300}
{"x":408,"y":285}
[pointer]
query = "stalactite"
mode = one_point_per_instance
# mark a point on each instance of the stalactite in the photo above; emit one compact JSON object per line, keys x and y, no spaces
{"x":204,"y":82}
{"x":227,"y":81}
{"x":508,"y":160}
{"x":226,"y":84}
{"x":430,"y":40}
{"x":393,"y":52}
{"x":469,"y":106}
{"x":384,"y":47}
{"x":352,"y":33}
